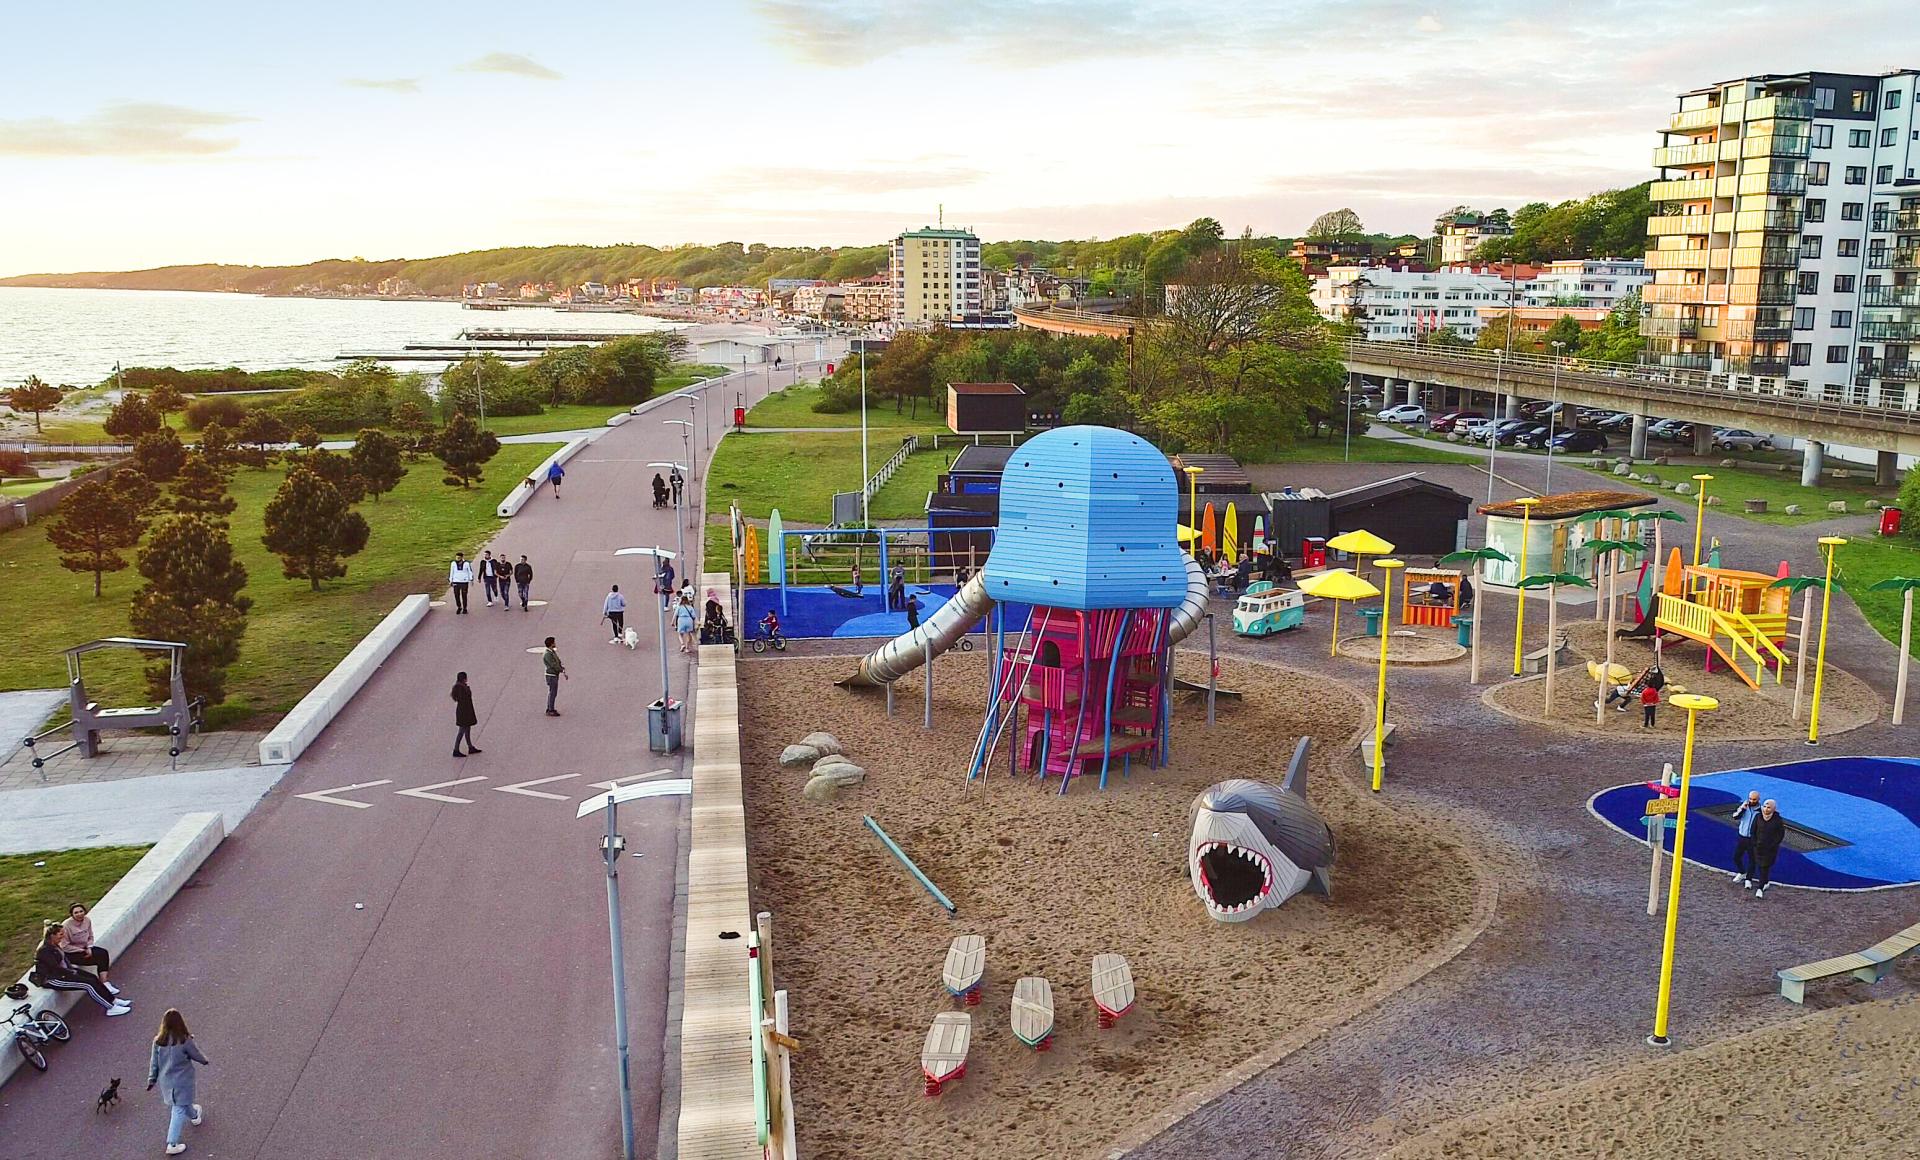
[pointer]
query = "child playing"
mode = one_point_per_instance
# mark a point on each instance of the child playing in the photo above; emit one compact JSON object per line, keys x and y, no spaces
{"x":1649,"y":703}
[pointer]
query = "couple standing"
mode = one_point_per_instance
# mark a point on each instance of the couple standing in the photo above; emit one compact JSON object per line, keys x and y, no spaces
{"x":1761,"y":830}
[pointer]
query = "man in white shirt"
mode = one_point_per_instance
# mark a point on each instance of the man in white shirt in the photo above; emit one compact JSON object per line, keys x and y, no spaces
{"x":460,"y":577}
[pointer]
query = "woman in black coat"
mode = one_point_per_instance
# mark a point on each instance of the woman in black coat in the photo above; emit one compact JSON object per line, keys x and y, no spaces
{"x":464,"y":718}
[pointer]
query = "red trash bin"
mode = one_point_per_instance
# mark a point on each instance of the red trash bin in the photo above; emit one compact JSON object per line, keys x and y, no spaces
{"x":1890,"y":521}
{"x":739,"y":418}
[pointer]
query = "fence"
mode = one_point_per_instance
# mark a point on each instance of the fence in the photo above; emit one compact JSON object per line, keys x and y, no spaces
{"x":908,"y":446}
{"x":21,"y":512}
{"x":1012,"y":437}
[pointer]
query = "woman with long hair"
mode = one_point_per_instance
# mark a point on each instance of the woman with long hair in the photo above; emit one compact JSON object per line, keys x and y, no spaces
{"x":81,"y":950}
{"x":51,"y":970}
{"x":174,"y":1054}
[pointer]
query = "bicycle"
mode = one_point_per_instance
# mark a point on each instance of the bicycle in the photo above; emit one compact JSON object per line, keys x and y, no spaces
{"x":766,"y":638}
{"x":46,"y":1027}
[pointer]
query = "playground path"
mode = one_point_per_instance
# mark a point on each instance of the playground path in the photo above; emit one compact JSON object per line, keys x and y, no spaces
{"x":392,"y":957}
{"x":127,"y":811}
{"x":1561,"y":987}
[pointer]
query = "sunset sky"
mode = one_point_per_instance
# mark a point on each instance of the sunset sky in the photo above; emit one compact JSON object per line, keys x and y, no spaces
{"x":135,"y":134}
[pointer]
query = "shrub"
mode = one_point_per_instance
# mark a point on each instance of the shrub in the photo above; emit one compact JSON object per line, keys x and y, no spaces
{"x":226,"y":412}
{"x":14,"y":463}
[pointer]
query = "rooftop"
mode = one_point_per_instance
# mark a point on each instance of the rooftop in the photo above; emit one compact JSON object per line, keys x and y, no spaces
{"x":985,"y":389}
{"x":1570,"y":503}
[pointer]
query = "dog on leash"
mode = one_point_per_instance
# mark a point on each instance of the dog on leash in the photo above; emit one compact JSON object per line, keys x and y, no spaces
{"x":109,"y":1097}
{"x":631,"y":638}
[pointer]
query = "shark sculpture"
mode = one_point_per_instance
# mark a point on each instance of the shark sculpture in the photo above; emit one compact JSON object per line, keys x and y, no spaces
{"x":1254,"y":844}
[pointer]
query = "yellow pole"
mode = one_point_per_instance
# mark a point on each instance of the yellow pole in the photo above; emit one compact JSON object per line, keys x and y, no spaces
{"x":1193,"y":509}
{"x":1333,"y":649}
{"x":1520,"y":609}
{"x":1694,"y":704}
{"x":1380,"y":693}
{"x":1832,"y":545}
{"x":1700,"y":514}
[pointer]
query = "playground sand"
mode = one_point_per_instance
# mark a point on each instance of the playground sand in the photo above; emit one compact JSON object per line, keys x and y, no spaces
{"x":1051,"y":881}
{"x":1745,"y":714}
{"x":1835,"y":1083}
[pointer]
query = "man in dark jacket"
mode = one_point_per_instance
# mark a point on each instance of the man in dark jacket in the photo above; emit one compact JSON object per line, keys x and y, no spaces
{"x":523,"y":580}
{"x":1767,"y":835}
{"x":1744,"y":820}
{"x":464,"y":718}
{"x":503,"y":573}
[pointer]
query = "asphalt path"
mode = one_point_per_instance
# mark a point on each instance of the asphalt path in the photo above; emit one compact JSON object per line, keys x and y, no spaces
{"x":419,"y":977}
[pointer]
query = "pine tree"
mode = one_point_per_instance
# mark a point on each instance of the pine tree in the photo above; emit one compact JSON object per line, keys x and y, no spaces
{"x":310,"y":526}
{"x":159,"y":454}
{"x":463,"y":448}
{"x":218,"y":448}
{"x":415,"y":427}
{"x":192,"y":595}
{"x":337,"y":470}
{"x":376,"y":460}
{"x":35,"y":397}
{"x":131,"y":418}
{"x":94,"y":524}
{"x":306,"y":436}
{"x":201,"y":488}
{"x":166,"y":399}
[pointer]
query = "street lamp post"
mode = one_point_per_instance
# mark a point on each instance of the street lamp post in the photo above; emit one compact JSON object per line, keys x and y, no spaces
{"x":866,"y":472}
{"x":1700,"y":481}
{"x":1193,"y":510}
{"x":1553,"y":412}
{"x":1832,"y":545}
{"x":660,"y":556}
{"x":1526,"y":503}
{"x":686,"y":441}
{"x":1694,"y":704}
{"x":679,"y":525}
{"x":1380,"y":692}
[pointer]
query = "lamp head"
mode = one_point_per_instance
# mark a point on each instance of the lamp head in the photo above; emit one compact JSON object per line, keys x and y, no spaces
{"x":1832,"y":541}
{"x":1694,"y":702}
{"x":1703,"y":477}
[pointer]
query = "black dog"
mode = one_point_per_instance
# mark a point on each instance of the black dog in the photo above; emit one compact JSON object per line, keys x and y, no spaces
{"x":109,"y":1097}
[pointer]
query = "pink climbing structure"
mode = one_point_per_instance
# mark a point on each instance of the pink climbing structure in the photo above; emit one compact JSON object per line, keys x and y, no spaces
{"x":1086,"y":689}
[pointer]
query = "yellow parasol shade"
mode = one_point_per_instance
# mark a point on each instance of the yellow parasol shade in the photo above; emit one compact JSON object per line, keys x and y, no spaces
{"x":1360,"y":542}
{"x":1338,"y":584}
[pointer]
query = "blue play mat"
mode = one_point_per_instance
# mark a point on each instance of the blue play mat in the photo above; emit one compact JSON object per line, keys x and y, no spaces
{"x":819,"y":611}
{"x":1868,"y":807}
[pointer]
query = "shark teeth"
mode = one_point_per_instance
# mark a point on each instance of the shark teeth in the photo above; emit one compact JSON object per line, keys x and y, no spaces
{"x":1249,"y":856}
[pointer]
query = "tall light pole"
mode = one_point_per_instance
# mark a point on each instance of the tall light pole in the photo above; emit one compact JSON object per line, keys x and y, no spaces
{"x":1193,"y":510}
{"x":679,"y":525}
{"x":696,"y":406}
{"x":1700,"y":481}
{"x":866,"y":472}
{"x":1694,"y":704}
{"x":660,"y":556}
{"x":1553,"y":412}
{"x":1380,"y":693}
{"x":1832,"y":545}
{"x":1526,"y":503}
{"x":686,"y":441}
{"x":1493,"y":427}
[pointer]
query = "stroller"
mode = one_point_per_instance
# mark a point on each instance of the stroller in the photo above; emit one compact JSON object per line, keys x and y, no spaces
{"x":659,"y":492}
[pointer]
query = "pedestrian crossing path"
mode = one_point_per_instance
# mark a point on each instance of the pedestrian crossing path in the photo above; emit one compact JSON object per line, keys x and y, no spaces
{"x":360,"y":800}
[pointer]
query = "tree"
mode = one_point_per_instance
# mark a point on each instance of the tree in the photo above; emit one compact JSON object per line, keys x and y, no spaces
{"x":136,"y":490}
{"x":34,"y":397}
{"x":166,"y":399}
{"x":310,"y":525}
{"x":562,"y":374}
{"x":336,"y":469}
{"x":1565,"y":331}
{"x":159,"y":454}
{"x":201,"y":488}
{"x":1201,"y":235}
{"x":622,"y":372}
{"x":193,"y":595}
{"x":463,"y":448}
{"x":376,"y":460}
{"x":306,"y":437}
{"x":414,"y":424}
{"x":263,"y":429}
{"x":1336,"y":225}
{"x":217,"y":448}
{"x":94,"y":524}
{"x":1618,"y":338}
{"x":131,"y":418}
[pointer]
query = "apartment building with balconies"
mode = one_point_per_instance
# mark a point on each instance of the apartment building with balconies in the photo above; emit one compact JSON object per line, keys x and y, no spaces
{"x":1785,"y":228}
{"x":935,"y":277}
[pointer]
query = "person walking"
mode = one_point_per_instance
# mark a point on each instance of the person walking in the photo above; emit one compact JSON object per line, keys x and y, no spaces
{"x":897,"y":588}
{"x":460,"y":578}
{"x":663,"y":583}
{"x":1743,"y":823}
{"x":913,"y":611}
{"x":1649,"y":704}
{"x":556,"y":473}
{"x":614,"y":608}
{"x":503,"y":574}
{"x":523,"y":580}
{"x":487,"y":579}
{"x":77,"y":931}
{"x":686,"y":622}
{"x":676,"y":481}
{"x":854,"y":575}
{"x":171,"y":1066}
{"x":1768,"y":832}
{"x":56,"y":974}
{"x":464,"y":718}
{"x":550,"y":660}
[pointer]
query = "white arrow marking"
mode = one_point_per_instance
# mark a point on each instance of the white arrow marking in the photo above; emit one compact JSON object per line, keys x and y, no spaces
{"x":325,"y":795}
{"x":520,"y":787}
{"x":422,"y":791}
{"x":617,"y":782}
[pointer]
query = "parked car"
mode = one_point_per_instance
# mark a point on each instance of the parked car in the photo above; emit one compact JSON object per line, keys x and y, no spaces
{"x":1739,"y":438}
{"x":1476,"y":430}
{"x":1404,"y":413}
{"x":1503,"y":426}
{"x":1524,"y":435}
{"x":1585,"y":439}
{"x":1666,"y":430}
{"x":1594,"y":416}
{"x":1451,"y":420}
{"x":1618,"y":421}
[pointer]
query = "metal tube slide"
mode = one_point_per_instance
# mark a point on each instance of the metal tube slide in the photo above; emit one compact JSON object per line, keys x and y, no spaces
{"x":955,"y":618}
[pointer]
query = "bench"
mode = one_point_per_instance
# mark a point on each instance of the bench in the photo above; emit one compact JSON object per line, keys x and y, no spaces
{"x":1869,"y":966}
{"x":1536,"y":661}
{"x":1366,"y":742}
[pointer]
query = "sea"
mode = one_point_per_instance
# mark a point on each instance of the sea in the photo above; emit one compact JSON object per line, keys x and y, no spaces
{"x":76,"y":336}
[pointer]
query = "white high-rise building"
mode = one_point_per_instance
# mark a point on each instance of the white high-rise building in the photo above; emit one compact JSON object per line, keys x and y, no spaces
{"x":936,"y":277}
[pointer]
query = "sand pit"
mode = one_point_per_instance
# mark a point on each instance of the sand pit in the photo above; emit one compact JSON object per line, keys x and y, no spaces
{"x":1744,"y":714}
{"x":1405,"y":646}
{"x":1837,"y":1083}
{"x":1050,"y":881}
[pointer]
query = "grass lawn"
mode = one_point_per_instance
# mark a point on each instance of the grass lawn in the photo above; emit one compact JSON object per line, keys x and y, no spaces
{"x":294,"y":635}
{"x":1778,"y":488}
{"x":793,"y":407}
{"x":1867,"y":560}
{"x":29,"y":894}
{"x":22,"y":488}
{"x":1366,"y":449}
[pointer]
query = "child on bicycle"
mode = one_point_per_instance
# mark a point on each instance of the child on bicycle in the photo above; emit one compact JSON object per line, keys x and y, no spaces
{"x":770,"y":624}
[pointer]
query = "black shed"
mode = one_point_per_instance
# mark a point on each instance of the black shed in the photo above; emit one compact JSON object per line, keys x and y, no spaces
{"x":984,"y":407}
{"x":1419,"y":517}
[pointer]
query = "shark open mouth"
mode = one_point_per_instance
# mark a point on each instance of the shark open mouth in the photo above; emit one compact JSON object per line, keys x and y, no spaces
{"x":1237,"y":879}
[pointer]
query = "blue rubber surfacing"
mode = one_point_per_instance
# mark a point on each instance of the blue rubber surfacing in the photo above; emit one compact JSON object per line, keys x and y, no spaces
{"x":818,"y":611}
{"x":1872,"y":804}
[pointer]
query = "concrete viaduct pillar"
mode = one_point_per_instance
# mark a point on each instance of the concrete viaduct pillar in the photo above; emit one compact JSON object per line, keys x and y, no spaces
{"x":1702,"y":439}
{"x":1886,"y":468}
{"x":1637,"y":442}
{"x":1812,"y":458}
{"x":1510,"y":407}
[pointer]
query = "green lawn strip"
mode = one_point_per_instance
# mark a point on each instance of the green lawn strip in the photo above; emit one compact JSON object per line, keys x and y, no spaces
{"x":30,"y":895}
{"x":1866,"y":560}
{"x":22,"y":488}
{"x":793,"y":407}
{"x":294,"y":635}
{"x":1779,"y":488}
{"x":564,"y":417}
{"x":1365,"y":449}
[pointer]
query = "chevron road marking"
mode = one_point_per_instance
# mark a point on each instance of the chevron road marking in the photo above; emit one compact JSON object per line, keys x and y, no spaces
{"x":520,"y":787}
{"x":617,"y":782}
{"x":424,"y":791}
{"x":326,"y":795}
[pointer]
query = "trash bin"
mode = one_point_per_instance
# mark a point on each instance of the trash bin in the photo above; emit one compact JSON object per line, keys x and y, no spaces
{"x":663,"y":726}
{"x":1463,"y":630}
{"x":1371,"y":618}
{"x":1890,"y":521}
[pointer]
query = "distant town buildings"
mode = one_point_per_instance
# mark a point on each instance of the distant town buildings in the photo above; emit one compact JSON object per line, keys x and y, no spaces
{"x":1462,"y":234}
{"x":1399,"y":304}
{"x":935,"y":278}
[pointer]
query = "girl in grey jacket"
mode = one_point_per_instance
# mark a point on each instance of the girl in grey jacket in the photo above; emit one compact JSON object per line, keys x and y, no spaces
{"x":174,"y":1054}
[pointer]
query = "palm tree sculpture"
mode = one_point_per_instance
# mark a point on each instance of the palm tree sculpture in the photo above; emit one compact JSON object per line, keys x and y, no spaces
{"x":1479,"y":556}
{"x":1621,"y":516}
{"x":1603,"y":550}
{"x":1905,"y":586}
{"x":1552,"y":581}
{"x":1658,"y":516}
{"x":1806,"y":586}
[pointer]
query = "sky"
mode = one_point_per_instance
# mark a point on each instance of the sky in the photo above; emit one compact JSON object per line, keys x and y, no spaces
{"x":135,"y":134}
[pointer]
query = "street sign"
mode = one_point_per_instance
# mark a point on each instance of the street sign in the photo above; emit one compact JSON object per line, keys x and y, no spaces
{"x":1672,"y":791}
{"x":1664,"y":805}
{"x":1668,"y":823}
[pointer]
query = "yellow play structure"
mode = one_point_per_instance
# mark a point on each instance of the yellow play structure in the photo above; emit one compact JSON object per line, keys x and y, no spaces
{"x":1737,"y":615}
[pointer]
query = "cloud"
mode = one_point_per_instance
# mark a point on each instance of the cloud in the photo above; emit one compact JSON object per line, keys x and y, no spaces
{"x":387,"y":84}
{"x":1429,"y":23}
{"x":125,"y":129}
{"x":789,"y":181}
{"x":511,"y":63}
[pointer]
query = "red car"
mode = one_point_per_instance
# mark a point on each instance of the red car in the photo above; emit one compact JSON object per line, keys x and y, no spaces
{"x":1445,"y":422}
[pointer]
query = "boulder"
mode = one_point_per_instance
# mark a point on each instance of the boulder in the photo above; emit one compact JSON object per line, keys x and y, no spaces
{"x":1683,"y":488}
{"x":830,"y":761}
{"x":827,"y":782}
{"x":1660,"y":461}
{"x":1714,"y":501}
{"x":798,"y":756}
{"x":1874,"y":505}
{"x":825,"y":742}
{"x":1622,"y":469}
{"x":1792,"y":509}
{"x":1783,"y":468}
{"x":1842,"y":473}
{"x":1727,"y":463}
{"x":1838,"y":506}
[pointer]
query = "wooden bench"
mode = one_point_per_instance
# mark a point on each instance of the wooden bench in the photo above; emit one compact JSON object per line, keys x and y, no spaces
{"x":1366,"y":742}
{"x":1536,"y":661}
{"x":1869,"y":966}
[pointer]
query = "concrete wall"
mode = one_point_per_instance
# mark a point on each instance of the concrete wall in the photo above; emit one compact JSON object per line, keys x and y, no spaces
{"x":21,"y":512}
{"x":521,"y":493}
{"x":317,"y":709}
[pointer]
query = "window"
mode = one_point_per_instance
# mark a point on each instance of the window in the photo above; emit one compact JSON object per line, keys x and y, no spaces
{"x":1809,"y":282}
{"x":1823,"y":136}
{"x":1856,"y":175}
{"x":1889,"y":136}
{"x":1810,"y":246}
{"x":1817,"y":172}
{"x":1847,"y":248}
{"x":1852,"y":211}
{"x":1837,"y":354}
{"x":1860,"y":138}
{"x":1803,"y":317}
{"x":1893,"y":99}
{"x":1816,"y":206}
{"x":1863,"y":100}
{"x":1884,"y":175}
{"x":1843,"y":283}
{"x":1802,"y":354}
{"x":1843,"y":320}
{"x":1823,"y":98}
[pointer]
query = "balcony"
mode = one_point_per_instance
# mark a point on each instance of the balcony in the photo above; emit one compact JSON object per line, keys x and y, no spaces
{"x":1906,"y":221}
{"x":1772,"y":331}
{"x":1691,"y":189}
{"x":1674,"y":225}
{"x":1879,"y":368}
{"x":1776,"y":294}
{"x":1674,"y":292}
{"x":1783,"y":182}
{"x":1907,"y":258}
{"x":1774,"y":145}
{"x":1768,"y":366}
{"x":1688,"y":119}
{"x":1890,"y":332}
{"x":1683,"y":362}
{"x":1751,"y":220}
{"x":1678,"y":156}
{"x":1765,"y":257}
{"x":1781,"y":108}
{"x":1677,"y":259}
{"x":1890,"y":296}
{"x":1657,"y":327}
